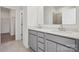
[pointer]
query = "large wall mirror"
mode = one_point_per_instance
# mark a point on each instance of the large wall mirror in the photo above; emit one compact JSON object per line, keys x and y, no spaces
{"x":59,"y":15}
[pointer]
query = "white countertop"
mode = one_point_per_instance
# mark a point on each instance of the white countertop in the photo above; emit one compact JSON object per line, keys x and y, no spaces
{"x":70,"y":34}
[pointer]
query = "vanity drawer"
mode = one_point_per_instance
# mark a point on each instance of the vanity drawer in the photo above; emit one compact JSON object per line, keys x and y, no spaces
{"x":61,"y":48}
{"x":40,"y":40}
{"x":61,"y":40}
{"x":40,"y":45}
{"x":33,"y":32}
{"x":40,"y":34}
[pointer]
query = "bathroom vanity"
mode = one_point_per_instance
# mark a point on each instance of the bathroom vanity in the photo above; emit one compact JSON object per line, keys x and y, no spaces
{"x":52,"y":40}
{"x":42,"y":40}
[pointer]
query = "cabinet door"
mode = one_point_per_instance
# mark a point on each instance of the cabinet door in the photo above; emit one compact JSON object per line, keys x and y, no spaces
{"x":30,"y":40}
{"x":61,"y":48}
{"x":50,"y":46}
{"x":33,"y":42}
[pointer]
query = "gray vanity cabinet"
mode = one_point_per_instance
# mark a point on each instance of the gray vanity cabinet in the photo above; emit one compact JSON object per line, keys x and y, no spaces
{"x":39,"y":50}
{"x":41,"y":42}
{"x":61,"y":48}
{"x":60,"y":44}
{"x":33,"y":41}
{"x":30,"y":40}
{"x":50,"y":46}
{"x":56,"y":38}
{"x":45,"y":42}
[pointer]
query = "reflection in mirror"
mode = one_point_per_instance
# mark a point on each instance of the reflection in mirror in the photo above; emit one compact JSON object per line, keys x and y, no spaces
{"x":69,"y":16}
{"x":59,"y":15}
{"x":57,"y":18}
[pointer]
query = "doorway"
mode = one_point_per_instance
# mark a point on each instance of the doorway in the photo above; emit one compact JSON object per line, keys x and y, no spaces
{"x":7,"y":25}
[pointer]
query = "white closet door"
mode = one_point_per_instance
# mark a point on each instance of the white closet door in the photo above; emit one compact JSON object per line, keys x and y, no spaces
{"x":21,"y":15}
{"x":5,"y":20}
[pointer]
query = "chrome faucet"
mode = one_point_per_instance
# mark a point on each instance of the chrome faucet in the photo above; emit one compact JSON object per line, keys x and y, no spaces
{"x":39,"y":26}
{"x":61,"y":28}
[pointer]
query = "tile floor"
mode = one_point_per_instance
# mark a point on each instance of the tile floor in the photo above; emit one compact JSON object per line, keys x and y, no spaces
{"x":14,"y":46}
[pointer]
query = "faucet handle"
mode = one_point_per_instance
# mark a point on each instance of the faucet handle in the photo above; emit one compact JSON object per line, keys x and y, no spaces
{"x":61,"y":28}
